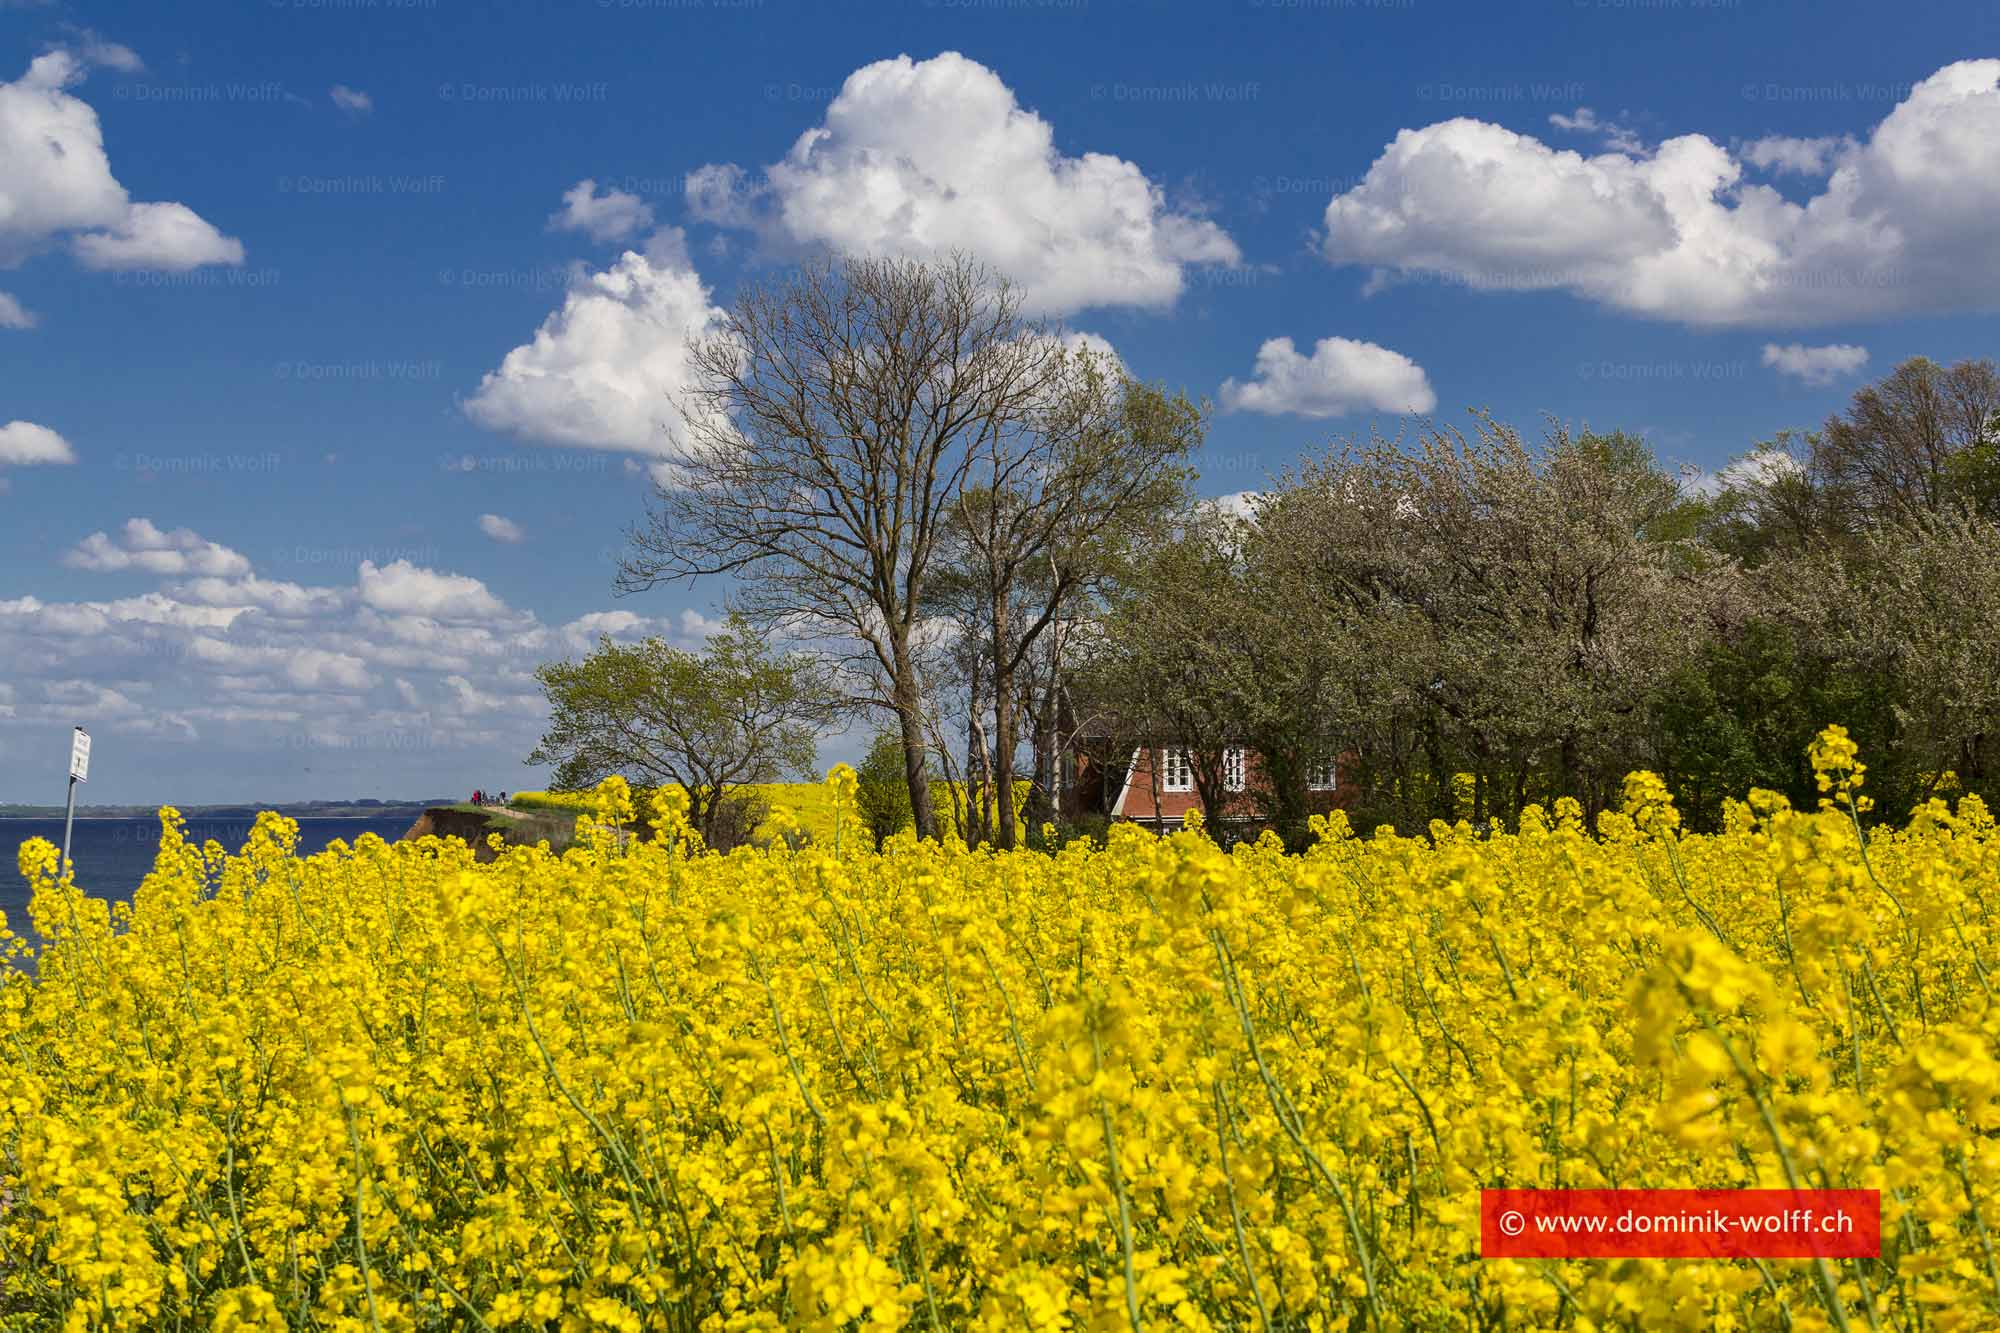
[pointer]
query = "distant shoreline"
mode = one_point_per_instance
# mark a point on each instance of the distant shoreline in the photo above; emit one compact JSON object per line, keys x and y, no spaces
{"x":387,"y":812}
{"x":330,"y":811}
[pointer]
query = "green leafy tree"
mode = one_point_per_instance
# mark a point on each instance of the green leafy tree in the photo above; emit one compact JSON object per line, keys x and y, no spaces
{"x":1170,"y":658}
{"x":709,"y":721}
{"x":1913,"y":609}
{"x":1505,"y":609}
{"x":881,"y":795}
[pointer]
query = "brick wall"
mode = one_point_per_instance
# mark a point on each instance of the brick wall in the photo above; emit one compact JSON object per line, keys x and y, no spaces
{"x":1139,"y":801}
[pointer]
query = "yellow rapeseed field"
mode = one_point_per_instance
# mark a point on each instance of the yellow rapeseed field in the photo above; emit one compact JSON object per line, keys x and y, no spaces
{"x":1147,"y":1085}
{"x":801,"y":807}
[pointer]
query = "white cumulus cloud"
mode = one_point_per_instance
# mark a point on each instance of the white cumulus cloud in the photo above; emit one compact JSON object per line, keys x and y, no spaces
{"x":604,"y":371}
{"x":612,"y":215}
{"x":318,"y":669}
{"x":1815,"y":365}
{"x":403,"y":588}
{"x":25,"y":442}
{"x":143,"y":546}
{"x":1904,"y":223}
{"x":917,"y":157}
{"x":280,"y":598}
{"x":56,"y":182}
{"x":14,"y":315}
{"x":162,"y":236}
{"x":1342,"y":375}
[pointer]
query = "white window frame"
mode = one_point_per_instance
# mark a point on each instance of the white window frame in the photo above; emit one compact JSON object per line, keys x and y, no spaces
{"x":1324,"y":776}
{"x":1174,"y":760}
{"x":1235,"y":768}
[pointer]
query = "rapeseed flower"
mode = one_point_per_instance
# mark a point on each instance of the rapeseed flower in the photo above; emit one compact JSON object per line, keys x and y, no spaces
{"x":640,"y":1085}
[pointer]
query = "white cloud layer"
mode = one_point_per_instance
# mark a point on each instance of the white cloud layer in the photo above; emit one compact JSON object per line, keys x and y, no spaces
{"x":14,"y":315}
{"x":1342,"y":375}
{"x":1815,"y":365}
{"x":400,"y":670}
{"x":604,"y":371}
{"x":612,"y":215}
{"x":918,"y":157}
{"x":56,"y":182}
{"x":1904,"y":223}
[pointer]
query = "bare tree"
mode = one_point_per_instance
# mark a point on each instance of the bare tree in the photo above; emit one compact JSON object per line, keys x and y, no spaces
{"x":1106,"y":456}
{"x":837,"y":416}
{"x":1895,"y":446}
{"x":1922,"y":441}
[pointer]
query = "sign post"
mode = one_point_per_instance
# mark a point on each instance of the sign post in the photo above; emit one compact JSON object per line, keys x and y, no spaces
{"x":79,"y":771}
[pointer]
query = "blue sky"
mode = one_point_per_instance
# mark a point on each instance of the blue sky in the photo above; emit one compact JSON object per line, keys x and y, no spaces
{"x":284,"y":518}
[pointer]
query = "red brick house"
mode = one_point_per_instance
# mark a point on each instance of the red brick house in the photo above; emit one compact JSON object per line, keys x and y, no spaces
{"x":1156,"y":787}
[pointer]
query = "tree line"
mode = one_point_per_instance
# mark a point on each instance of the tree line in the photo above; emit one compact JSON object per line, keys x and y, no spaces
{"x":1472,"y":622}
{"x":983,"y":532}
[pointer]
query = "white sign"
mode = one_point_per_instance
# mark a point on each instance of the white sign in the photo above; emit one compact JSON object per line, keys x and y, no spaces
{"x":79,"y":755}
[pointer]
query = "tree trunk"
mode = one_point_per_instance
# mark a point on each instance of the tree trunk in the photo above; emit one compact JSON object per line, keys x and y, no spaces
{"x":1045,"y":790}
{"x":1004,"y":738}
{"x":701,"y":810}
{"x":1444,"y":796}
{"x":1034,"y":720}
{"x":1566,"y":760}
{"x":1209,"y":790}
{"x":1053,"y":798}
{"x":1063,"y":795}
{"x":978,"y":760}
{"x":951,"y":781}
{"x":1155,"y":756}
{"x":910,"y":717}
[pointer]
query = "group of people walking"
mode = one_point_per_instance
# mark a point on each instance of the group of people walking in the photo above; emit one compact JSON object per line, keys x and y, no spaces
{"x":480,"y":796}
